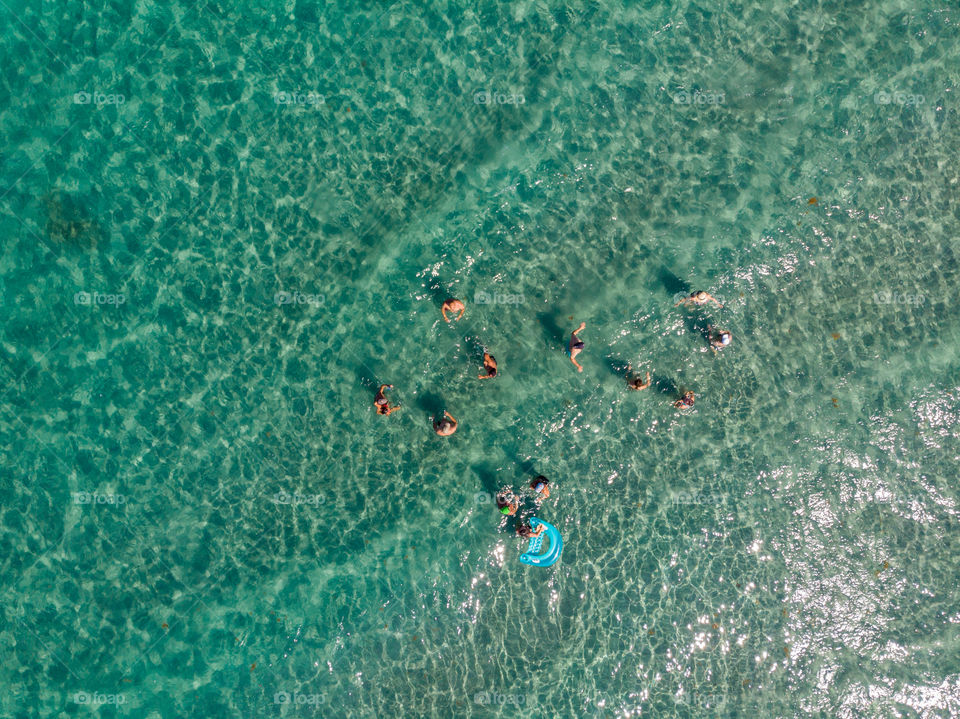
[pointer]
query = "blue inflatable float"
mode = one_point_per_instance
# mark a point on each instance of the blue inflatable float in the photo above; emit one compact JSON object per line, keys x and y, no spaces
{"x":533,"y":556}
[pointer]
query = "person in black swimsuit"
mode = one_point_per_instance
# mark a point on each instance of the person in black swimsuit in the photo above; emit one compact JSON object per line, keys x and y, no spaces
{"x":490,"y":365}
{"x":576,"y":345}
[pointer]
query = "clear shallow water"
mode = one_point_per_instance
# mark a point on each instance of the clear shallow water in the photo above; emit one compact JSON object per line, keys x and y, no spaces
{"x":787,"y":549}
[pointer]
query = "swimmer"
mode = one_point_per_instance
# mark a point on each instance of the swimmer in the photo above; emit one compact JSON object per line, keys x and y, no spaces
{"x":452,"y":305}
{"x":699,"y":298}
{"x":576,"y":346}
{"x":719,"y":339}
{"x":636,"y":382}
{"x":507,"y":503}
{"x":490,"y":365}
{"x":381,"y":402}
{"x":541,"y":485}
{"x":685,"y":402}
{"x":526,"y":531}
{"x":446,"y":425}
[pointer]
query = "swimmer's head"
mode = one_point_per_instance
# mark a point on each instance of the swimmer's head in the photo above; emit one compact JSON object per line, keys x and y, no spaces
{"x":701,"y":295}
{"x":724,"y":338}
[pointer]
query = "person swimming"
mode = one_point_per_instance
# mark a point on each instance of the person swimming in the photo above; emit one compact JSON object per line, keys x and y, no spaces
{"x":452,"y":305}
{"x":490,"y":365}
{"x":446,"y":425}
{"x":635,"y":382}
{"x":381,"y":402}
{"x":699,"y":298}
{"x":720,"y":338}
{"x":686,"y":401}
{"x":507,"y":503}
{"x":526,"y":531}
{"x":576,"y":345}
{"x":541,"y":485}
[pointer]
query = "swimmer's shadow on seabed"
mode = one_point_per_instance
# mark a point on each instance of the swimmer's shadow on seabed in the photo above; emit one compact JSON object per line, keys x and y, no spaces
{"x":431,"y":403}
{"x":365,"y":379}
{"x":671,"y":283}
{"x":697,"y":325}
{"x":527,"y":467}
{"x":553,"y":334}
{"x":617,"y":367}
{"x":665,"y":385}
{"x":474,"y":348}
{"x":437,"y":287}
{"x":488,"y":478}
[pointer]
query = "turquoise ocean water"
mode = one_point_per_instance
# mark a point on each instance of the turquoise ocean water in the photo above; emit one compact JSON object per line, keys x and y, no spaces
{"x":224,"y":224}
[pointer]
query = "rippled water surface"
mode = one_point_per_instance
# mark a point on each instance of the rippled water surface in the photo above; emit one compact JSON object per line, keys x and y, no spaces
{"x":225,"y":224}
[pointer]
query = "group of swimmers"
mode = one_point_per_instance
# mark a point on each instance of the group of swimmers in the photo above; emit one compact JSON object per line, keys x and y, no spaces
{"x":445,"y":424}
{"x":717,"y":338}
{"x":508,"y":503}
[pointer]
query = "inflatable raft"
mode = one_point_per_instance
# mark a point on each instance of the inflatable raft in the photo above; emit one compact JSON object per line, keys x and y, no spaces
{"x":535,"y":556}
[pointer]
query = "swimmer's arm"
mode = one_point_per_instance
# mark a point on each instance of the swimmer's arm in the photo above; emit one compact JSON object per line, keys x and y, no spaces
{"x":714,"y":299}
{"x":450,"y":416}
{"x":443,"y":311}
{"x":462,"y":310}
